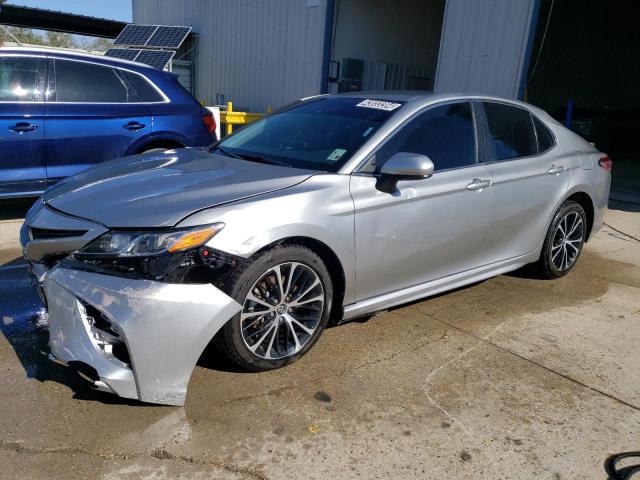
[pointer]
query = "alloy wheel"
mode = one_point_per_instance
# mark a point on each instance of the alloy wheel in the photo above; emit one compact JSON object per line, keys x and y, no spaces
{"x":567,"y":241}
{"x":282,"y":311}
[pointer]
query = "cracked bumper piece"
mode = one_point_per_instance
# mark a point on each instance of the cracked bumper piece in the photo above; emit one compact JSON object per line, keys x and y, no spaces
{"x":163,"y":327}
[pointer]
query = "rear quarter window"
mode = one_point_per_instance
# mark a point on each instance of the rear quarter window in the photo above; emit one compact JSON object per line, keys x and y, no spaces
{"x":142,"y":90}
{"x":545,"y":137}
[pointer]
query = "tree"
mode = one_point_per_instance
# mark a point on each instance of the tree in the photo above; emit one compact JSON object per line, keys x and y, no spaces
{"x":28,"y":36}
{"x":99,"y":44}
{"x":22,"y":35}
{"x":61,"y":40}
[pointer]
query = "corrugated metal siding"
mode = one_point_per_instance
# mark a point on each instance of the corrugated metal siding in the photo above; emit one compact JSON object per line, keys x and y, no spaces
{"x":483,"y":46}
{"x":254,"y":52}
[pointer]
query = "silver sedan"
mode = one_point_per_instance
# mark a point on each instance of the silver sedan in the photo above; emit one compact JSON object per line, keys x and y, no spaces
{"x":332,"y":208}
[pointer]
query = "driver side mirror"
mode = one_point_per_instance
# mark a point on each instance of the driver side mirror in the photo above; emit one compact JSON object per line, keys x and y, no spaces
{"x":403,"y":166}
{"x":408,"y":165}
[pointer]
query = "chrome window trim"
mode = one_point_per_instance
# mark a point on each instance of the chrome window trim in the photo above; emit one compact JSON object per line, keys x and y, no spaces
{"x":53,"y":57}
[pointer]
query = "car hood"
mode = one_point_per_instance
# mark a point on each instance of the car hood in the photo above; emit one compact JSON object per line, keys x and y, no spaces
{"x":160,"y":189}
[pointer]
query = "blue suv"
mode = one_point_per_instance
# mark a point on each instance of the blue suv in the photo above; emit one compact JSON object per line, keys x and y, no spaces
{"x":61,"y":112}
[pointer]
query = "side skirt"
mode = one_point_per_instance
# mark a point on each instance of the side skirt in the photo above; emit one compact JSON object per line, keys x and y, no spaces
{"x":428,"y":289}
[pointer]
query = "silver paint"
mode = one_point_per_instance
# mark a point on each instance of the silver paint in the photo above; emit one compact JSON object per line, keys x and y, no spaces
{"x":159,"y":189}
{"x":404,"y":164}
{"x":166,"y":327}
{"x":424,"y":236}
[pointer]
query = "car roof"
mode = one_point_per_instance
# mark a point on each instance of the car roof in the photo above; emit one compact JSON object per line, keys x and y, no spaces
{"x":397,"y":95}
{"x":71,"y":54}
{"x":426,"y":97}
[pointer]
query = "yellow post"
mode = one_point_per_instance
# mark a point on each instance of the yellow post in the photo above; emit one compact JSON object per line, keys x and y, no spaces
{"x":229,"y":125}
{"x":269,"y":110}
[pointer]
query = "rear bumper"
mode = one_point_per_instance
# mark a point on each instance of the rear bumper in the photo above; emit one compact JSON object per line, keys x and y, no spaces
{"x":165,"y":327}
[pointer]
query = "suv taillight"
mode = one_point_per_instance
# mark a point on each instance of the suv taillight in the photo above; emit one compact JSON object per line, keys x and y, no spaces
{"x":209,"y":122}
{"x":606,"y":163}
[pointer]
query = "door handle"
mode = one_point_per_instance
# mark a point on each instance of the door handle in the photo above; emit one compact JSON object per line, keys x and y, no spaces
{"x":555,"y":170}
{"x":478,"y":184}
{"x":23,"y":127}
{"x":133,"y":126}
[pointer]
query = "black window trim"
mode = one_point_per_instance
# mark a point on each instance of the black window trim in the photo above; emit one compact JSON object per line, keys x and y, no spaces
{"x":554,"y":141}
{"x":488,"y":157}
{"x":41,"y":75}
{"x":52,"y":81}
{"x":476,"y":124}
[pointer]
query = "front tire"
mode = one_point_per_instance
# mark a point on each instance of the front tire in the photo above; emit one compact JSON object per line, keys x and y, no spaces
{"x":563,"y":242}
{"x":286,"y":295}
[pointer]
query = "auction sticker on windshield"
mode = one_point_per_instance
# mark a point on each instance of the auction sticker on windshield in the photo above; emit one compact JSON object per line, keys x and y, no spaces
{"x":379,"y":105}
{"x":336,"y":154}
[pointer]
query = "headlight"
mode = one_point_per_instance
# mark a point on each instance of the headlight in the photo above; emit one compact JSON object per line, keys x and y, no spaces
{"x":138,"y":244}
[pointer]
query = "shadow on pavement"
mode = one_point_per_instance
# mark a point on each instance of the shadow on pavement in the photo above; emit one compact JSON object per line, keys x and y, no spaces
{"x":616,"y":470}
{"x":15,"y":209}
{"x":625,"y":185}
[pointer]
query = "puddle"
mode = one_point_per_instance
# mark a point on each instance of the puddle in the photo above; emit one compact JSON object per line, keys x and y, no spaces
{"x":23,"y":318}
{"x":20,"y":307}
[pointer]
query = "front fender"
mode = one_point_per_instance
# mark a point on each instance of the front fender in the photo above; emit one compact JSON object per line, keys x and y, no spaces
{"x":320,"y":208}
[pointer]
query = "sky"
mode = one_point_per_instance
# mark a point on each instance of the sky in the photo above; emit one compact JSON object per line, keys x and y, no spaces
{"x":111,"y":9}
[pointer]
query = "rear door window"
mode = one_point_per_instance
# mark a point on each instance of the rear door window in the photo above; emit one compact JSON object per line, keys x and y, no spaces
{"x":511,"y":133}
{"x":445,"y":133}
{"x":20,"y":80}
{"x":83,"y":82}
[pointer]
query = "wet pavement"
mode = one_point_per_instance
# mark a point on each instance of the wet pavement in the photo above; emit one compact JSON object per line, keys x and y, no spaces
{"x":510,"y":378}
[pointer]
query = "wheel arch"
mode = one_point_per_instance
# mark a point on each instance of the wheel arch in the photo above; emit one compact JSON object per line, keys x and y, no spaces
{"x":157,"y":143}
{"x":586,"y":202}
{"x":160,"y":139}
{"x":331,"y":261}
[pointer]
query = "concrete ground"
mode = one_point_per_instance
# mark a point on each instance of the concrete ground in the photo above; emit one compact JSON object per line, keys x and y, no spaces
{"x":512,"y":378}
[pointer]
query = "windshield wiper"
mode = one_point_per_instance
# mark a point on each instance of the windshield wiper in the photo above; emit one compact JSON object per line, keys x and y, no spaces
{"x":253,"y":158}
{"x":225,"y":152}
{"x":261,"y":159}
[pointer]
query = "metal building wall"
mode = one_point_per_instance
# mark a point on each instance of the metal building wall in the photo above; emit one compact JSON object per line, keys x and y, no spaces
{"x":254,"y":52}
{"x":485,"y":45}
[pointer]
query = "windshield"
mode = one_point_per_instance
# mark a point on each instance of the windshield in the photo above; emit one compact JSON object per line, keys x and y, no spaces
{"x":320,"y":134}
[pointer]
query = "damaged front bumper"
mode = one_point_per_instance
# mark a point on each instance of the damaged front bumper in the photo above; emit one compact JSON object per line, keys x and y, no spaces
{"x":142,"y":337}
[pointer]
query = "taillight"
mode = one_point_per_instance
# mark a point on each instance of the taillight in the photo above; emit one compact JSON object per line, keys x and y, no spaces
{"x":209,"y":122}
{"x":606,"y":163}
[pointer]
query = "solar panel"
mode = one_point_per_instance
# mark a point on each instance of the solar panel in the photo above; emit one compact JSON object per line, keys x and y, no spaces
{"x":124,"y":53}
{"x":159,"y":36}
{"x":152,"y":36}
{"x":168,"y":37}
{"x":135,"y":35}
{"x":155,"y":58}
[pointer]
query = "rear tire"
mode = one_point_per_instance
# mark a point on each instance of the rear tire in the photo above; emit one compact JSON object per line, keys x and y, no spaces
{"x":564,"y":241}
{"x":286,"y":295}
